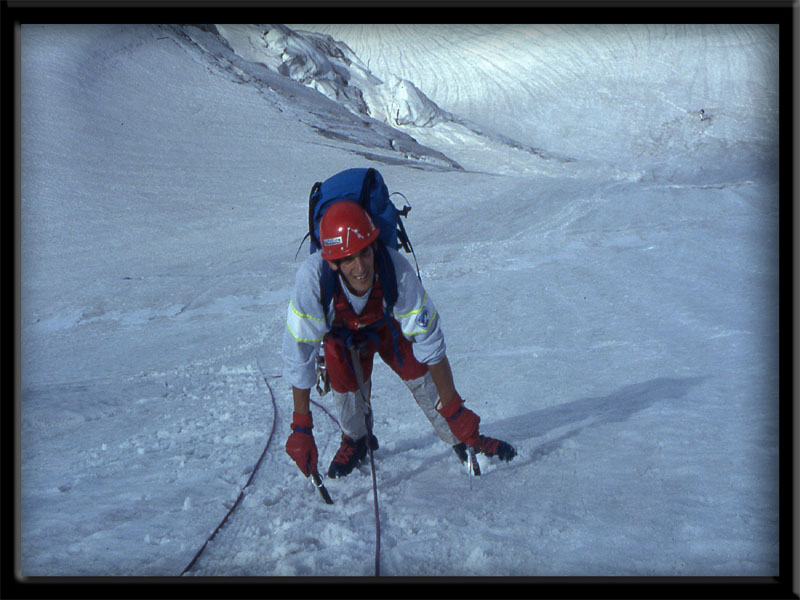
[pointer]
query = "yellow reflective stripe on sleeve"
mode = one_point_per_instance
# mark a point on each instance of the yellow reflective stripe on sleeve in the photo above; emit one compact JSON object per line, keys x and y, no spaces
{"x":415,"y":311}
{"x":305,"y":328}
{"x":430,"y":323}
{"x":303,"y":340}
{"x":303,"y":315}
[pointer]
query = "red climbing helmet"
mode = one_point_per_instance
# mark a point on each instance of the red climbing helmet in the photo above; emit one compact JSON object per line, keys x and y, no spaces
{"x":345,"y":229}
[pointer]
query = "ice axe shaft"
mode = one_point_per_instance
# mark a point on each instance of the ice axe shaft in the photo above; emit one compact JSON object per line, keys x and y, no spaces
{"x":472,"y":463}
{"x":317,"y":480}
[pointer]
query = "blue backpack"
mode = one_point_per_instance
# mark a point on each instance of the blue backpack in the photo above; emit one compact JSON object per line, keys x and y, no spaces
{"x":367,"y":188}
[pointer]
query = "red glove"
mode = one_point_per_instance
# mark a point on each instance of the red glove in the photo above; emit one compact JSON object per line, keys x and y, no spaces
{"x":461,"y":420}
{"x":300,"y":446}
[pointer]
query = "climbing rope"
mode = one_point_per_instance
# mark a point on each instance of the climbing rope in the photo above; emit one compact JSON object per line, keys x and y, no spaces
{"x":249,"y":481}
{"x":374,"y":485}
{"x":258,"y":464}
{"x":355,"y":355}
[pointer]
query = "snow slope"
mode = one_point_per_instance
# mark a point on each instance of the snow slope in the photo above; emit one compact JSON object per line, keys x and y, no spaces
{"x":604,"y":259}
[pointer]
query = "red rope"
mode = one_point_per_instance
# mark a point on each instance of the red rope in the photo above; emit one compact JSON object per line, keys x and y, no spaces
{"x":249,"y":481}
{"x":374,"y":486}
{"x":258,"y":464}
{"x":325,"y":410}
{"x":356,"y":361}
{"x":374,"y":496}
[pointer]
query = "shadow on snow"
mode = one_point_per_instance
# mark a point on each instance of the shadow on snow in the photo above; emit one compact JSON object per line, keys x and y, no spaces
{"x":579,"y":415}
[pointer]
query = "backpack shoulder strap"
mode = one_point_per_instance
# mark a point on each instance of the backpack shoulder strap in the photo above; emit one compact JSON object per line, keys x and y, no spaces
{"x":327,"y":288}
{"x":385,"y":268}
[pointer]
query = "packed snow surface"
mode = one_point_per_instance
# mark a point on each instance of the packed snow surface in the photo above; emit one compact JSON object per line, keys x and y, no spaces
{"x":595,"y":214}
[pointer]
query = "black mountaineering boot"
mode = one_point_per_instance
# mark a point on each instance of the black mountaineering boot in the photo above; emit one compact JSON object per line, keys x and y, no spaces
{"x":349,"y":455}
{"x":492,"y":447}
{"x":461,"y":452}
{"x":489,"y":447}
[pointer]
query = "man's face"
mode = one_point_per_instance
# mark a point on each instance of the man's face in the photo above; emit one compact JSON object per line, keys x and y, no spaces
{"x":358,"y":270}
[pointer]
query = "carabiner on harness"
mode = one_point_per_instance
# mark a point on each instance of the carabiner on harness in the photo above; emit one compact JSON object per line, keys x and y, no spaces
{"x":323,"y":381}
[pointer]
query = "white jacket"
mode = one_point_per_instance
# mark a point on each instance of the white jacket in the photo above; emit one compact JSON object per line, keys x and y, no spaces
{"x":306,"y":322}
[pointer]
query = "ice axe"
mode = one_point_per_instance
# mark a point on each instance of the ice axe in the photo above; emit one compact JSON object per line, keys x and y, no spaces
{"x":317,"y":481}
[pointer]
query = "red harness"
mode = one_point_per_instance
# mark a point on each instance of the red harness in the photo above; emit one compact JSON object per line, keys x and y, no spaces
{"x":374,"y":331}
{"x":345,"y":316}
